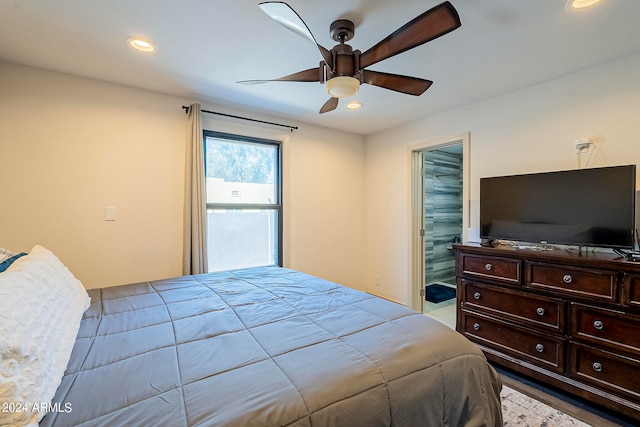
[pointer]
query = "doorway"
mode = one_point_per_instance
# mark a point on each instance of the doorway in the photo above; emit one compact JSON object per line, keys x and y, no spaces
{"x":442,"y":187}
{"x":439,"y":219}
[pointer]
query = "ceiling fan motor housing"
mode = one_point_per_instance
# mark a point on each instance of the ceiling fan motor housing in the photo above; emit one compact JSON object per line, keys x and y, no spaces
{"x":345,"y":60}
{"x":344,"y":57}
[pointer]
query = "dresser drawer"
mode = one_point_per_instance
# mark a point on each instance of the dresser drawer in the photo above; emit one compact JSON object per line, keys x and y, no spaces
{"x":611,"y":328}
{"x":605,"y":370}
{"x":574,"y":281}
{"x":533,"y":310}
{"x":497,"y":269}
{"x":631,"y":291}
{"x":539,"y":349}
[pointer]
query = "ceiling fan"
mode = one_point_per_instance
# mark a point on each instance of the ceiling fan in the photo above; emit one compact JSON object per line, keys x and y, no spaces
{"x":342,"y":69}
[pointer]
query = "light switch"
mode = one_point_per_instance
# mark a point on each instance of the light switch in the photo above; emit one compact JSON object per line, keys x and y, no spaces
{"x":110,"y":213}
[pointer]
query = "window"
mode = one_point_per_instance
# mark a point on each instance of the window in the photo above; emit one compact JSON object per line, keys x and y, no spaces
{"x":244,"y":201}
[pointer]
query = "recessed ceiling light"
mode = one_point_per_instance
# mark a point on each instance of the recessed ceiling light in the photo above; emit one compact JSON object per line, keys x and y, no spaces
{"x":141,"y":45}
{"x":580,"y":4}
{"x":354,"y":105}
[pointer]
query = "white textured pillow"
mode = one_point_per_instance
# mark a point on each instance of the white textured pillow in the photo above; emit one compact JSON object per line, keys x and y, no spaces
{"x":41,"y":305}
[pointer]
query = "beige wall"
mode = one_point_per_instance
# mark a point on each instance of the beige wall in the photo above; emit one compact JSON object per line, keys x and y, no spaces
{"x":70,"y":147}
{"x":531,"y":130}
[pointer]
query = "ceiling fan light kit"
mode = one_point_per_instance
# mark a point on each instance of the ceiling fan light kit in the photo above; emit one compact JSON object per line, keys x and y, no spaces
{"x":342,"y":86}
{"x":342,"y":68}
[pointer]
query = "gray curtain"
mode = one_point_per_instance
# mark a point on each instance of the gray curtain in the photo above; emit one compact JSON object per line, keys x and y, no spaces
{"x":195,"y":216}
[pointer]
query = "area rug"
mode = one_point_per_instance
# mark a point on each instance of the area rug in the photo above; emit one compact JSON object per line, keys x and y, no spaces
{"x":437,"y":293}
{"x":523,"y":411}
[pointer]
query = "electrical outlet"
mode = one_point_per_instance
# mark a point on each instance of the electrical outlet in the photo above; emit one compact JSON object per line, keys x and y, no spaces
{"x":378,"y":280}
{"x":582,"y":146}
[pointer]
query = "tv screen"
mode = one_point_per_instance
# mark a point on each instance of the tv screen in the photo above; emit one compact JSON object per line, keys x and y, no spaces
{"x":584,"y":207}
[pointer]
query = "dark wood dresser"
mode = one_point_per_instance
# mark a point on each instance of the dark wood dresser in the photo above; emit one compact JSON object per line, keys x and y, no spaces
{"x":568,"y":319}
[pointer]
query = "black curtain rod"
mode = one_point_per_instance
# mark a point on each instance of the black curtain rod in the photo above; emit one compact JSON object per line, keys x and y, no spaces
{"x":244,"y":118}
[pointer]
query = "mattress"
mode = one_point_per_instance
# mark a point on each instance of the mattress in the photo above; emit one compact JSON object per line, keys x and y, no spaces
{"x":267,"y":347}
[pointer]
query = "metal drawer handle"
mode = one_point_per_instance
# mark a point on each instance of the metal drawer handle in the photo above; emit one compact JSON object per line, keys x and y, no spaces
{"x":488,"y":267}
{"x":476,"y":326}
{"x":539,"y":348}
{"x":540,"y":311}
{"x":598,"y":324}
{"x":567,"y":278}
{"x":597,"y":367}
{"x":476,"y":295}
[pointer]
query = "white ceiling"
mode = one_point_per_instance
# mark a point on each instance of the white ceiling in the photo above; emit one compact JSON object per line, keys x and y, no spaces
{"x":206,"y":46}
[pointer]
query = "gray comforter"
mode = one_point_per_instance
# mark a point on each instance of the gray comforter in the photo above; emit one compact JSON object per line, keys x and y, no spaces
{"x":268,"y":347}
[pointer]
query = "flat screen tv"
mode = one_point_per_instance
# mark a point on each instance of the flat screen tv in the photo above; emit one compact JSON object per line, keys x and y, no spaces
{"x":583,"y":207}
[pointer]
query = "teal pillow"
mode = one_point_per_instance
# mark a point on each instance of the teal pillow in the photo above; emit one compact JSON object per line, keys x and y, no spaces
{"x":7,"y":262}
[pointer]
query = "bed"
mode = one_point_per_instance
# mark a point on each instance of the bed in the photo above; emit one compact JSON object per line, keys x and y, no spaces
{"x":262,"y":347}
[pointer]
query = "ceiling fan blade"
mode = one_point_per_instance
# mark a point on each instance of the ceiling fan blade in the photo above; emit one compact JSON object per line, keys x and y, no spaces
{"x":310,"y":75}
{"x":432,"y":24}
{"x":283,"y":14}
{"x":404,"y":84}
{"x":330,"y":105}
